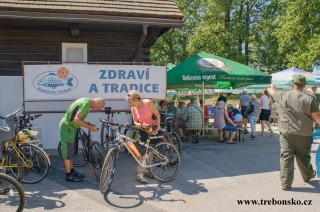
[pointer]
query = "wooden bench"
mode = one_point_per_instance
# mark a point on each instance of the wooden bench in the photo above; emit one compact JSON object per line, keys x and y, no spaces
{"x":201,"y":131}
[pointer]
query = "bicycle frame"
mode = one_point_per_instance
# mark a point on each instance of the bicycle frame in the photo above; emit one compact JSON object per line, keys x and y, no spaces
{"x":105,"y":126}
{"x":14,"y":148}
{"x":123,"y":139}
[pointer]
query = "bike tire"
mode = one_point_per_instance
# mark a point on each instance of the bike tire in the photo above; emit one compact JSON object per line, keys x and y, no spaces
{"x":15,"y":162}
{"x":37,"y":163}
{"x":168,"y":170}
{"x":176,"y":140}
{"x":96,"y":159}
{"x":14,"y":194}
{"x":108,"y":169}
{"x":80,"y":158}
{"x":170,"y":138}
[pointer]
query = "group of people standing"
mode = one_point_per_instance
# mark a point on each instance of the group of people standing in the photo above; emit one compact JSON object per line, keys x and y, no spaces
{"x":252,"y":110}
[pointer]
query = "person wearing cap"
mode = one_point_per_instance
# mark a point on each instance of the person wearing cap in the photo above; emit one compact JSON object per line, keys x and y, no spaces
{"x":145,"y":115}
{"x":193,"y":115}
{"x":243,"y":105}
{"x":69,"y":126}
{"x":254,"y":115}
{"x":297,"y":110}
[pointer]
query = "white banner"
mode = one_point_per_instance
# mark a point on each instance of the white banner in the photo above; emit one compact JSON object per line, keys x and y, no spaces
{"x":73,"y":81}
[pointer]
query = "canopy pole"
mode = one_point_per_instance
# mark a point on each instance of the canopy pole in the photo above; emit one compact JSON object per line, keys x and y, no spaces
{"x":203,"y":107}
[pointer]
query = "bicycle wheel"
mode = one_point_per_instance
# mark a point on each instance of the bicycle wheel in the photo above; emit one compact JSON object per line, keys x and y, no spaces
{"x":164,"y":161}
{"x":13,"y":162}
{"x":80,"y":159}
{"x":13,"y":197}
{"x":176,"y":140}
{"x":96,"y":159}
{"x":36,"y":166}
{"x":108,"y":169}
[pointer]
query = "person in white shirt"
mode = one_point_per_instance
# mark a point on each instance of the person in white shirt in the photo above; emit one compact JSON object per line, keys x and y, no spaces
{"x":265,"y":105}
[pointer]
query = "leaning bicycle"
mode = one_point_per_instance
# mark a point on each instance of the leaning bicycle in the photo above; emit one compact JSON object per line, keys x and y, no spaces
{"x":162,"y":159}
{"x":87,"y":151}
{"x":12,"y":197}
{"x":108,"y":134}
{"x":34,"y":159}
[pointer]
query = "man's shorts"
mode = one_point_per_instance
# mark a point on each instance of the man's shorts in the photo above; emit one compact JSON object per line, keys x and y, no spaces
{"x":68,"y":138}
{"x":265,"y":115}
{"x":244,"y":111}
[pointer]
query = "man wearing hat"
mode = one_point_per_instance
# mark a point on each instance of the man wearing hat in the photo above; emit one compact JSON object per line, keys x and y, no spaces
{"x":297,"y":110}
{"x":243,"y":105}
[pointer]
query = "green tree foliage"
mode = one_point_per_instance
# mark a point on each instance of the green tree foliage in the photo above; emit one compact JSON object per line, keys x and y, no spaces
{"x":171,"y":47}
{"x":269,"y":35}
{"x":298,"y":31}
{"x":264,"y":53}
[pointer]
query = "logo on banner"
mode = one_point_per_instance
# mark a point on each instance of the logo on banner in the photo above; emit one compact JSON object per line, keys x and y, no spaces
{"x":212,"y":64}
{"x":55,"y":82}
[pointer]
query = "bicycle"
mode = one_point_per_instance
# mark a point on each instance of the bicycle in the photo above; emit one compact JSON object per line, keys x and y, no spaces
{"x":163,"y":159}
{"x":34,"y":160}
{"x":87,"y":151}
{"x":11,"y":194}
{"x":108,"y":135}
{"x":168,"y":125}
{"x":25,"y":121}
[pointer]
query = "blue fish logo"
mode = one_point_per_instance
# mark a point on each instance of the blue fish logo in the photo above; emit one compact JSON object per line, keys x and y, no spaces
{"x":50,"y":83}
{"x":52,"y":80}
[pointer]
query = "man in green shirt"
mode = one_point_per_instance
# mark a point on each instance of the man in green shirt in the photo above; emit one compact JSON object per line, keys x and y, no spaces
{"x":297,"y":110}
{"x":69,"y":125}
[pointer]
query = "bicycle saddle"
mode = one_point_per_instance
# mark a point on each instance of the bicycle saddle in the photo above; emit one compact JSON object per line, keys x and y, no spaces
{"x":5,"y":129}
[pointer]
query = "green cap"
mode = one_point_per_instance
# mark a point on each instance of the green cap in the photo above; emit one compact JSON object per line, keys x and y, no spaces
{"x":299,"y":80}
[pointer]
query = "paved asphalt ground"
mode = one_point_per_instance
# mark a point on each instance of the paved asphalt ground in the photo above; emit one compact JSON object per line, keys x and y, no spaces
{"x":213,"y":177}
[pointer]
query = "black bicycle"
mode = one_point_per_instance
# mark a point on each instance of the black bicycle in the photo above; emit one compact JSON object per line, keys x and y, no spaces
{"x":12,"y":195}
{"x":87,"y":151}
{"x":107,"y":133}
{"x":167,"y":123}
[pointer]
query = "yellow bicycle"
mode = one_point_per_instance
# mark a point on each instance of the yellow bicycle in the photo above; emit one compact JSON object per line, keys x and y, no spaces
{"x":34,"y":160}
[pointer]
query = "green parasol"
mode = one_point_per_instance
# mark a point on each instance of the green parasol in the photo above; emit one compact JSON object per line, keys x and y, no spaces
{"x":210,"y":71}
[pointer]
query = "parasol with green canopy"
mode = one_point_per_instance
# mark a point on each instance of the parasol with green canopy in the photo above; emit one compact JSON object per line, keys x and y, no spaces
{"x":211,"y":71}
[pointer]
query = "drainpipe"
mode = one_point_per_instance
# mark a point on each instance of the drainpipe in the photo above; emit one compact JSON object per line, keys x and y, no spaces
{"x":141,"y":41}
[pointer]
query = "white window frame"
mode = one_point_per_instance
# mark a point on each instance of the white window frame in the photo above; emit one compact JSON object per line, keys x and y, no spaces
{"x":83,"y":46}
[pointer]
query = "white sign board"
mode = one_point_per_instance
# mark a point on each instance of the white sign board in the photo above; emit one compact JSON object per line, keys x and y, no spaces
{"x":73,"y":81}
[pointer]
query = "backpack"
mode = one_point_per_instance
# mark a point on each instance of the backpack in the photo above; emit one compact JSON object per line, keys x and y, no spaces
{"x":250,"y":108}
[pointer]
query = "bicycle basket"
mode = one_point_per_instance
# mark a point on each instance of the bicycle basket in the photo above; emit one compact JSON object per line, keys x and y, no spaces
{"x":32,"y":135}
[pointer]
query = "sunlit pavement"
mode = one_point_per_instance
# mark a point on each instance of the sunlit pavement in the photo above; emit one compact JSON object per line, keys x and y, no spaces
{"x":213,"y":177}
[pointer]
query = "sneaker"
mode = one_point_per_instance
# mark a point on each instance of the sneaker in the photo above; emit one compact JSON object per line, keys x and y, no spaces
{"x":313,"y":175}
{"x":253,"y":137}
{"x":73,"y":178}
{"x":245,"y":132}
{"x":141,"y":179}
{"x":78,"y":174}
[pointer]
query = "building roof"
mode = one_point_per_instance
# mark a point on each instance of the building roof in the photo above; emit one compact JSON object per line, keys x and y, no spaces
{"x":163,"y":9}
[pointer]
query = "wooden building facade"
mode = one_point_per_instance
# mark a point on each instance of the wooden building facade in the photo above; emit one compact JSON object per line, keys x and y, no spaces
{"x":103,"y":30}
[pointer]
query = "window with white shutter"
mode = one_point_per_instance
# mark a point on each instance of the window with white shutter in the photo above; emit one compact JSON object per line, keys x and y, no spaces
{"x":74,"y":52}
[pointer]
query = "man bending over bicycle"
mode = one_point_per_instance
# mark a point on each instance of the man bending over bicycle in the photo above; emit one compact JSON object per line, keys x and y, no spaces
{"x":69,"y":125}
{"x":146,"y":116}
